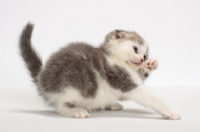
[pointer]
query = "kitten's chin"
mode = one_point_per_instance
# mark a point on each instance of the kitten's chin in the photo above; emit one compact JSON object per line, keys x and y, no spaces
{"x":133,"y":65}
{"x":136,"y":63}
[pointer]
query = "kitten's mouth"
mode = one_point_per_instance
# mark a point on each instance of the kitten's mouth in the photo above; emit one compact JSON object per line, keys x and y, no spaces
{"x":136,"y":63}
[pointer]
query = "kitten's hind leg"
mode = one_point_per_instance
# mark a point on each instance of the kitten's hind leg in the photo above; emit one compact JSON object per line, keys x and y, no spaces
{"x":68,"y":109}
{"x":115,"y":107}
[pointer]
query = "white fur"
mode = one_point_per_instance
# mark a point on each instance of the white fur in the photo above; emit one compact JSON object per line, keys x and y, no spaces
{"x":124,"y":50}
{"x":144,"y":97}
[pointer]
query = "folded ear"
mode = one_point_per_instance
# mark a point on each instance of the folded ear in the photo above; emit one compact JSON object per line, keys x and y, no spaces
{"x":119,"y":34}
{"x":115,"y":35}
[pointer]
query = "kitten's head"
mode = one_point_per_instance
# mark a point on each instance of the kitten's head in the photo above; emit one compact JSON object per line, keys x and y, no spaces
{"x":126,"y":46}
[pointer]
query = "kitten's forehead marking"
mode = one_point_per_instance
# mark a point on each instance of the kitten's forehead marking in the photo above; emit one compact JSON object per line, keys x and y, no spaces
{"x":135,"y":37}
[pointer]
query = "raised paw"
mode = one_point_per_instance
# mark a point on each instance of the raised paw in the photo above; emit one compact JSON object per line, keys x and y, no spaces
{"x":151,"y":64}
{"x":114,"y":107}
{"x":82,"y":114}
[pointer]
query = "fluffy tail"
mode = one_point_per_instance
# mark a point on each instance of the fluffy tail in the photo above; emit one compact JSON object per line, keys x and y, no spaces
{"x":29,"y":55}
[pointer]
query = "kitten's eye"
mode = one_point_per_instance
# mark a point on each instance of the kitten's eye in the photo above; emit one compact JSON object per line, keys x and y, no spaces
{"x":135,"y":49}
{"x":145,"y":57}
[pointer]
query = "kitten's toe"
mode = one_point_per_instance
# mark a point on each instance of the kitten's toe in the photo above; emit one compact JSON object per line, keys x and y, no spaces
{"x":82,"y":114}
{"x":152,"y":64}
{"x":174,"y":116}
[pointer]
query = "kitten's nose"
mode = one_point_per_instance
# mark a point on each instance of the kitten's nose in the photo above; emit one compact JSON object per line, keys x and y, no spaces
{"x":142,"y":60}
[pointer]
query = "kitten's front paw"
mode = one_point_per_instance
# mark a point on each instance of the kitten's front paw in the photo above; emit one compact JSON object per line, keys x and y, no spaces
{"x":82,"y":114}
{"x":151,"y":64}
{"x":174,"y":116}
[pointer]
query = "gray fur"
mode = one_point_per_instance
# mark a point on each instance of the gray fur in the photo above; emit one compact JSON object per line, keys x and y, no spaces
{"x":71,"y":66}
{"x":29,"y":55}
{"x":118,"y":78}
{"x":69,"y":105}
{"x":143,"y":75}
{"x":74,"y":66}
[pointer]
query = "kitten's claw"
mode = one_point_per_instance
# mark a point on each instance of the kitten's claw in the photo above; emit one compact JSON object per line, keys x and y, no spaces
{"x":82,"y":114}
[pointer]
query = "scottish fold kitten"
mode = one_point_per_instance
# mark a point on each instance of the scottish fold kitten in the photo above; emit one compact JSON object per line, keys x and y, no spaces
{"x":80,"y":78}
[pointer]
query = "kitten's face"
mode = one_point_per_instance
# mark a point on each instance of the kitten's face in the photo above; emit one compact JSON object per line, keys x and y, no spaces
{"x":128,"y":47}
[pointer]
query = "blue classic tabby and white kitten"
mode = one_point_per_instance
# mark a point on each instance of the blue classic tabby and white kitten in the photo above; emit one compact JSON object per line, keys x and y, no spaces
{"x":80,"y":78}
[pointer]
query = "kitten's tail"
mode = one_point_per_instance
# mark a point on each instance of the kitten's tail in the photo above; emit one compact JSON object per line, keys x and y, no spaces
{"x":29,"y":55}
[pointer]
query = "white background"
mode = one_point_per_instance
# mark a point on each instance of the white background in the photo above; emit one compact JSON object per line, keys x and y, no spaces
{"x":171,"y":28}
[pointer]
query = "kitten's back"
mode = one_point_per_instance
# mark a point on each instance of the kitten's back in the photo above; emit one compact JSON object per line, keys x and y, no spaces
{"x":73,"y":65}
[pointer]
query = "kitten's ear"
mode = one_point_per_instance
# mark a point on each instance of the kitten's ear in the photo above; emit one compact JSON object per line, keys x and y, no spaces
{"x":118,"y":34}
{"x":115,"y":35}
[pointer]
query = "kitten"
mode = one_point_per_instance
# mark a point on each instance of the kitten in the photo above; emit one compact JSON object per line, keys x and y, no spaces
{"x":80,"y":78}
